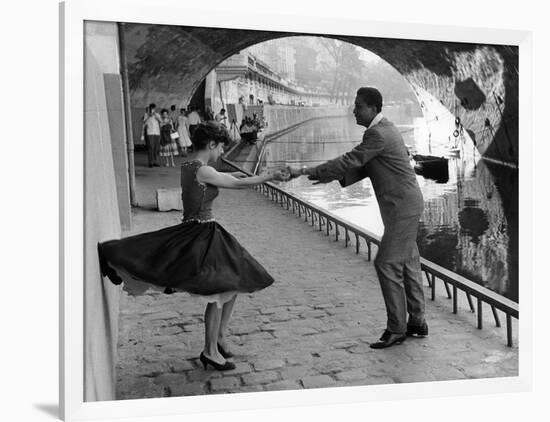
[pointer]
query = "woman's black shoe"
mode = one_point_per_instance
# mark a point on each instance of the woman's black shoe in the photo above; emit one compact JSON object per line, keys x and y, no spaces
{"x":225,"y":367}
{"x":224,"y":353}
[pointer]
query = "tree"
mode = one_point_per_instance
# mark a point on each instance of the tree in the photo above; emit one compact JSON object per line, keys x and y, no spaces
{"x":347,"y":68}
{"x":305,"y":71}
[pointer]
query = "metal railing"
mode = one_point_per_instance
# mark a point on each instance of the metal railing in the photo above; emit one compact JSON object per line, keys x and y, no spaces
{"x":451,"y":281}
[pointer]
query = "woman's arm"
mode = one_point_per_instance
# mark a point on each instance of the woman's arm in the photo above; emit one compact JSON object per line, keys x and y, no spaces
{"x":209,"y":175}
{"x":237,"y":174}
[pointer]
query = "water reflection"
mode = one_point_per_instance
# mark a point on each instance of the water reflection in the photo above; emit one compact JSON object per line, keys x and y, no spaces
{"x":468,"y":226}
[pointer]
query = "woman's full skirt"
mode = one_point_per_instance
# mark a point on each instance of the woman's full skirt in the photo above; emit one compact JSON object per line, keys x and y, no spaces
{"x":199,"y":258}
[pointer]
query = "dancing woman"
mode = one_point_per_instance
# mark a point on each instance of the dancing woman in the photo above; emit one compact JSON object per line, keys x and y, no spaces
{"x":197,"y":256}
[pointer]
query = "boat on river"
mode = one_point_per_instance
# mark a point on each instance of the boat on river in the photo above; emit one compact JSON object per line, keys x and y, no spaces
{"x":432,"y":167}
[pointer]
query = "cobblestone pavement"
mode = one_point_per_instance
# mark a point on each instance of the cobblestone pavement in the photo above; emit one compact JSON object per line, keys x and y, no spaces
{"x":310,"y":329}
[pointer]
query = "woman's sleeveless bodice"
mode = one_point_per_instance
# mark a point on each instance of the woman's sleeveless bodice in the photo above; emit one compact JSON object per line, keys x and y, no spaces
{"x":197,"y":197}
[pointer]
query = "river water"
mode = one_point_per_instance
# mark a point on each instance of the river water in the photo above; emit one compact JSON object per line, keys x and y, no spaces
{"x":469,"y":224}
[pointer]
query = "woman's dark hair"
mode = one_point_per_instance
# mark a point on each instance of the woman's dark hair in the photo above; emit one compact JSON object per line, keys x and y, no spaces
{"x":371,"y":97}
{"x":164,"y":110}
{"x":210,"y":131}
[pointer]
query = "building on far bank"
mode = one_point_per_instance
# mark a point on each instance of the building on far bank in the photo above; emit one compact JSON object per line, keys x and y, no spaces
{"x":247,"y":79}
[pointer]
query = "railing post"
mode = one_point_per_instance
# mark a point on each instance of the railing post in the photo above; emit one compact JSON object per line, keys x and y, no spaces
{"x":427,"y":274}
{"x":495,"y":315}
{"x":356,"y":243}
{"x":447,"y":289}
{"x":455,"y":299}
{"x":472,"y":309}
{"x":479,"y":313}
{"x":509,"y":329}
{"x":433,"y":287}
{"x":347,"y":237}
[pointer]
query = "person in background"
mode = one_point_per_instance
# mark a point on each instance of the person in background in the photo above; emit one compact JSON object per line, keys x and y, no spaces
{"x":143,"y":120}
{"x":208,"y":115}
{"x":168,"y":146}
{"x":194,"y":120}
{"x":184,"y":141}
{"x":151,"y":130}
{"x":248,"y":131}
{"x":221,"y":117}
{"x":197,"y":256}
{"x":174,"y":116}
{"x":255,"y":122}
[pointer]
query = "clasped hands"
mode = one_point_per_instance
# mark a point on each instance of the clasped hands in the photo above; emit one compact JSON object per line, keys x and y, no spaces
{"x":284,"y":174}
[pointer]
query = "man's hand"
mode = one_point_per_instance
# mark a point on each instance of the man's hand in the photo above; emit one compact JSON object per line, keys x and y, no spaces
{"x":294,"y":171}
{"x":281,"y":175}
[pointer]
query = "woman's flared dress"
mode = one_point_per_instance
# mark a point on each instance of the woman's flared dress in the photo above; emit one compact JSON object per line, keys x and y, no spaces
{"x":197,"y":256}
{"x":168,"y":146}
{"x":184,"y":140}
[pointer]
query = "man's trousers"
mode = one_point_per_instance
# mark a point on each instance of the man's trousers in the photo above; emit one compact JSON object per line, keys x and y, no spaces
{"x":152,"y":142}
{"x":397,"y":264}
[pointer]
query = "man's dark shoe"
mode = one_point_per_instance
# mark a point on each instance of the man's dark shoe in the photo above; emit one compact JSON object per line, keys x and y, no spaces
{"x":388,"y":339}
{"x":419,"y":330}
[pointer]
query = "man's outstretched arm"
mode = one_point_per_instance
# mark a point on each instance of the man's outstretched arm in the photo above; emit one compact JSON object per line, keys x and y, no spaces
{"x":337,"y":168}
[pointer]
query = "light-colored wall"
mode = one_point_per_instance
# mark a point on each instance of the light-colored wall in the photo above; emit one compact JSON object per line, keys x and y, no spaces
{"x":117,"y":129}
{"x":282,"y":117}
{"x":102,"y":219}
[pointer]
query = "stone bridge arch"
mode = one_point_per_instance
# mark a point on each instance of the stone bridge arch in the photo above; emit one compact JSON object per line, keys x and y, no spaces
{"x":476,"y":82}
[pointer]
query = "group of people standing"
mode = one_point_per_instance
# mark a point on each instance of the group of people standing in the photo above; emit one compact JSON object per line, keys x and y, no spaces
{"x":203,"y":259}
{"x":168,"y":134}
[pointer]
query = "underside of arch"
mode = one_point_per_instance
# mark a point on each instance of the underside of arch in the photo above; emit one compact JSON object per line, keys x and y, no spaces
{"x":476,"y":82}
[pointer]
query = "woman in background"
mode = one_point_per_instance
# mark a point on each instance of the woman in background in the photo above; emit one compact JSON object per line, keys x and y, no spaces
{"x":184,"y":140}
{"x":168,"y":146}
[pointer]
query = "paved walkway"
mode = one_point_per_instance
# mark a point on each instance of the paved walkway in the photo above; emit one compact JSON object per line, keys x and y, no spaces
{"x":310,"y":329}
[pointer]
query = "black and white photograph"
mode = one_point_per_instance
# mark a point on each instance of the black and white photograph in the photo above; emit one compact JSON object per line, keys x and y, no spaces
{"x":287,"y":211}
{"x":290,"y":207}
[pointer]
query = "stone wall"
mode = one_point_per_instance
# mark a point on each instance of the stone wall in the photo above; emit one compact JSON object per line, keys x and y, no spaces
{"x":105,"y":174}
{"x":281,"y":118}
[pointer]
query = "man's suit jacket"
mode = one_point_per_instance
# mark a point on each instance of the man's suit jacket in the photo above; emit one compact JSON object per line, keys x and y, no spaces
{"x":382,"y":156}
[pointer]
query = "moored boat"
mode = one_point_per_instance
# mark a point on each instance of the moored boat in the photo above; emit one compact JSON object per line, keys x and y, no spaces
{"x":432,"y":167}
